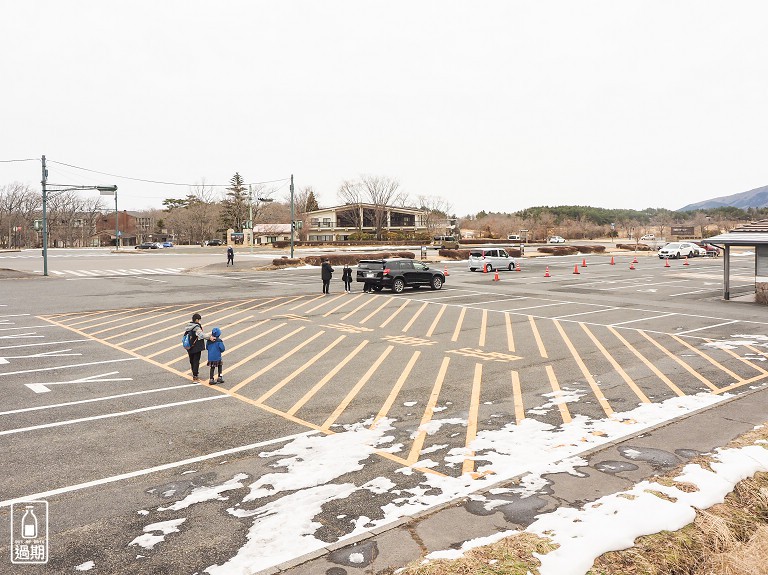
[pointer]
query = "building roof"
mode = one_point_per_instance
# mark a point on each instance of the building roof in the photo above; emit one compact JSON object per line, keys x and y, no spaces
{"x":751,"y":234}
{"x":272,"y":228}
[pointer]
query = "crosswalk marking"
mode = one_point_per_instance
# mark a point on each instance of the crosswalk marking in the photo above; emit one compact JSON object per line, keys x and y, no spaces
{"x":117,"y":272}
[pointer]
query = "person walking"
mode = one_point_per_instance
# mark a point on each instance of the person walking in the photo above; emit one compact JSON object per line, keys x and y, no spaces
{"x":326,"y":272}
{"x":230,"y":256}
{"x":197,"y":339}
{"x":346,"y":277}
{"x":215,"y":347}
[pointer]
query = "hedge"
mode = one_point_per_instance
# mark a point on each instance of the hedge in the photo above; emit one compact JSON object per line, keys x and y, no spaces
{"x":559,"y":250}
{"x":590,"y":249}
{"x":638,"y":247}
{"x":341,"y":259}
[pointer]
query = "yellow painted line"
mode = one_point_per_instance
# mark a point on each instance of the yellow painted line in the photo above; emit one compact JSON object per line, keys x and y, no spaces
{"x":744,"y":359}
{"x":329,"y":376}
{"x":361,"y":306}
{"x":176,"y":327}
{"x":266,"y":348}
{"x":517,"y":394}
{"x":356,"y":389}
{"x":741,"y":384}
{"x":254,"y":338}
{"x":325,"y":303}
{"x":394,"y":315}
{"x":338,"y":307}
{"x":562,"y":406}
{"x":415,"y":317}
{"x":226,"y":334}
{"x":306,"y":302}
{"x":396,"y":389}
{"x":685,"y":365}
{"x":585,"y":372}
{"x":455,"y":336}
{"x":373,"y":313}
{"x":418,"y":442}
{"x":170,"y":316}
{"x":483,"y":328}
{"x":80,"y":314}
{"x":510,"y":337}
{"x":735,"y":376}
{"x":286,"y":302}
{"x":279,"y":360}
{"x":103,"y":314}
{"x":647,"y":363}
{"x":266,"y":408}
{"x":298,"y":370}
{"x":437,"y":319}
{"x":620,"y":370}
{"x":405,"y":463}
{"x":537,"y":337}
{"x":474,"y":408}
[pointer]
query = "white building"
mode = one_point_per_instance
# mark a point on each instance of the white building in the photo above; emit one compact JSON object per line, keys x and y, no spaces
{"x":338,"y":222}
{"x":264,"y":234}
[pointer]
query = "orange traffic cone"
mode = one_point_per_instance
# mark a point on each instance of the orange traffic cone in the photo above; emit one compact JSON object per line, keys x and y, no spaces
{"x":496,"y":276}
{"x":634,"y":261}
{"x":576,"y":269}
{"x":631,"y":265}
{"x":686,"y":262}
{"x":613,"y":263}
{"x":518,"y":268}
{"x":445,"y":271}
{"x":485,"y":269}
{"x":666,"y":262}
{"x":546,"y":273}
{"x":584,"y":262}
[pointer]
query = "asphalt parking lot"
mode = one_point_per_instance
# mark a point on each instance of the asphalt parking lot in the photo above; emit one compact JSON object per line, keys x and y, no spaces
{"x":335,"y":408}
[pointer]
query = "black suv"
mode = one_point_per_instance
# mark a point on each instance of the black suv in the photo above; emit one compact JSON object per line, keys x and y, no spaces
{"x":398,"y":274}
{"x":214,"y":243}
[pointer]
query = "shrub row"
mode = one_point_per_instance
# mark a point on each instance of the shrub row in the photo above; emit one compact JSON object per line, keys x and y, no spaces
{"x":479,"y":241}
{"x":341,"y":259}
{"x":558,"y":250}
{"x":590,"y":249}
{"x":638,"y":247}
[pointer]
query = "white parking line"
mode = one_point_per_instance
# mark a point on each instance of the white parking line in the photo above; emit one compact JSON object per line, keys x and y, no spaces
{"x":642,"y":319}
{"x":44,"y":343}
{"x":68,"y":366}
{"x":182,"y":463}
{"x":707,"y":327}
{"x":609,"y":308}
{"x":110,"y":415}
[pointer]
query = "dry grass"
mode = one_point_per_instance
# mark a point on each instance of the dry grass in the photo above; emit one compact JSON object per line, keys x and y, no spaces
{"x":727,"y":539}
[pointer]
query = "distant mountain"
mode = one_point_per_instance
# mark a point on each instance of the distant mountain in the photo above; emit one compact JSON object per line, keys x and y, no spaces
{"x":757,"y":198}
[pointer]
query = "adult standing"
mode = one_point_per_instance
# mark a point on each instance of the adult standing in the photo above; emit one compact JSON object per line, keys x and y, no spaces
{"x":230,"y":256}
{"x":346,"y":277}
{"x":197,"y":341}
{"x":326,"y":272}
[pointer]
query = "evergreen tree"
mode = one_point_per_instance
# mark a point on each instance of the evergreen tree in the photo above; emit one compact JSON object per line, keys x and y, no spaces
{"x":235,"y":205}
{"x":311,"y":202}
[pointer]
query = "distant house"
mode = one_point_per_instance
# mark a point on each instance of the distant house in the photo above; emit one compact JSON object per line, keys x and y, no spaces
{"x":337,"y":223}
{"x":126,"y":228}
{"x":265,"y":234}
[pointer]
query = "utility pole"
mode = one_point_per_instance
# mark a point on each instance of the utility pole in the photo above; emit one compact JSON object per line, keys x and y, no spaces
{"x":250,"y":213}
{"x":117,"y":229}
{"x":45,"y":219}
{"x":293,"y":223}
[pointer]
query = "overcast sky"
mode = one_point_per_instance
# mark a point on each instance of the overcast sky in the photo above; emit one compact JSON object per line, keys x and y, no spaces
{"x":493,"y":105}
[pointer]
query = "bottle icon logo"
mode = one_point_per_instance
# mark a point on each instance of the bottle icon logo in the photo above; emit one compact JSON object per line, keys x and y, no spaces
{"x":29,"y":523}
{"x":29,"y":533}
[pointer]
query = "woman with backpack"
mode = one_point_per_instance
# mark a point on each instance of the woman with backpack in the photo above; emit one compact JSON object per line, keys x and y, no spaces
{"x":197,"y":339}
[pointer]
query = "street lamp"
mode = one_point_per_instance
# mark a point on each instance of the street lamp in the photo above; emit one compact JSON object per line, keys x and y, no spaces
{"x":61,"y":188}
{"x":108,"y":191}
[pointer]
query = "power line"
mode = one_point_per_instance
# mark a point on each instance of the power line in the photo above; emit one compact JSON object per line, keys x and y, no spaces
{"x":24,"y":160}
{"x":161,"y":182}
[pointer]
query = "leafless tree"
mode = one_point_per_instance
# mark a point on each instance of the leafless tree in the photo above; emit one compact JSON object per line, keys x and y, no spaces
{"x":19,"y":205}
{"x":382,"y":191}
{"x":351,"y":193}
{"x":436,"y":210}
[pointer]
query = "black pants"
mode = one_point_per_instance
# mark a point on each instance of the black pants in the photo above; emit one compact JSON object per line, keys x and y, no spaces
{"x":326,"y":286}
{"x":194,"y":362}
{"x":231,"y":260}
{"x":348,"y":285}
{"x":213,"y":368}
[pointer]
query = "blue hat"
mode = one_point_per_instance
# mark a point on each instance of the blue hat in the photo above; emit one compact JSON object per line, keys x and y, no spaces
{"x":216,"y":332}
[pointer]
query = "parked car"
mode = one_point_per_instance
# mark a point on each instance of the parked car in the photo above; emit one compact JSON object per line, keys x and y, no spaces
{"x":445,"y":242}
{"x":214,"y":243}
{"x":490,"y":259}
{"x":556,"y":240}
{"x":680,"y":250}
{"x":711,"y":250}
{"x":648,"y":238}
{"x":148,"y":246}
{"x":167,"y":244}
{"x":398,"y":274}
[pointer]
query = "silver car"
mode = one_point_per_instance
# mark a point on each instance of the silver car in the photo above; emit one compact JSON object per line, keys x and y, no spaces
{"x":680,"y":250}
{"x":490,"y":259}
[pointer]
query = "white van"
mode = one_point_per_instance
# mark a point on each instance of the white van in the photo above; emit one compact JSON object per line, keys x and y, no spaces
{"x":490,"y":259}
{"x":513,"y":237}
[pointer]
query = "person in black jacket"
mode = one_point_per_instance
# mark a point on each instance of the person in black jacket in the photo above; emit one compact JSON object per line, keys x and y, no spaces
{"x":197,"y":339}
{"x":230,"y":256}
{"x":326,"y":272}
{"x":346,"y":277}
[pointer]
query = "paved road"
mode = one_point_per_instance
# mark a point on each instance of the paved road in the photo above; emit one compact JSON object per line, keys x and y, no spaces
{"x":340,"y":413}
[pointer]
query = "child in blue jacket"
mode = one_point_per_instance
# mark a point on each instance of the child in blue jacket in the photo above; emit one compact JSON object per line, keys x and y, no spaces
{"x":215,"y":349}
